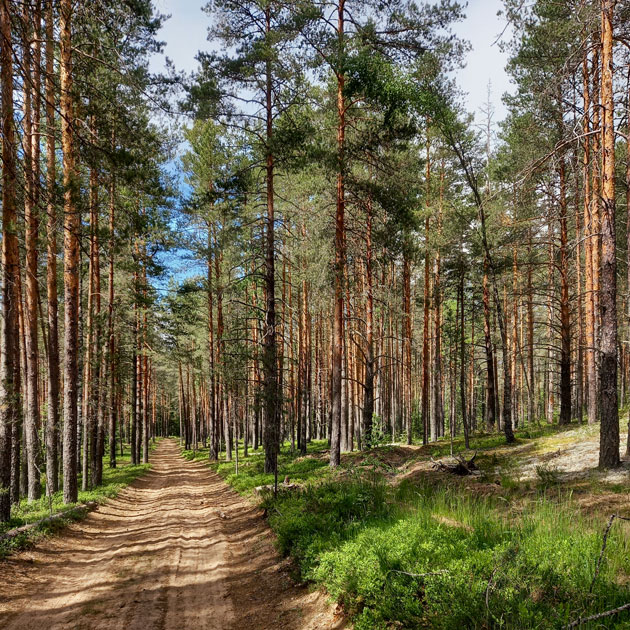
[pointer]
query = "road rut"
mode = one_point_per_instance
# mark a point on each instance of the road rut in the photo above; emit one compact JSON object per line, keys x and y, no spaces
{"x":176,"y":549}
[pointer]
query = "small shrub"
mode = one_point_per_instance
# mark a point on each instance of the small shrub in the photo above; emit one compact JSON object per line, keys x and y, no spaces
{"x":548,"y":476}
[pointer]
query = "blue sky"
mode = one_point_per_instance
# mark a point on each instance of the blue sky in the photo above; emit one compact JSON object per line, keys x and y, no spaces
{"x":185,"y":33}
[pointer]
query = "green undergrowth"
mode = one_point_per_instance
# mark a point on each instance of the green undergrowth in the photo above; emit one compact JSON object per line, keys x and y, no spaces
{"x":315,"y":464}
{"x":419,"y":554}
{"x":251,"y":468}
{"x":114,"y":480}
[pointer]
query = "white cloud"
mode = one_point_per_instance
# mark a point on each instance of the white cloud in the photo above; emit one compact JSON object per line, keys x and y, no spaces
{"x":485,"y":62}
{"x":185,"y":34}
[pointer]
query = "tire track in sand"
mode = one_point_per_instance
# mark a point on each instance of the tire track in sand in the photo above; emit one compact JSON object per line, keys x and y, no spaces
{"x":176,"y":549}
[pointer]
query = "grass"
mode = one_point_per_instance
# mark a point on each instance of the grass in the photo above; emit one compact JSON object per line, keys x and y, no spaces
{"x":426,"y":557}
{"x":421,"y":554}
{"x":251,"y":469}
{"x":114,"y":480}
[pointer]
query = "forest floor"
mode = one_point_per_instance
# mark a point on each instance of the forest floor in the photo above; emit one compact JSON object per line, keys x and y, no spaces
{"x":399,"y":544}
{"x":176,"y":549}
{"x":550,"y":458}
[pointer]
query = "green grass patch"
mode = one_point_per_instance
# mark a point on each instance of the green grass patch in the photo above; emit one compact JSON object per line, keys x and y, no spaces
{"x":251,"y":468}
{"x":417,"y":555}
{"x":426,"y":557}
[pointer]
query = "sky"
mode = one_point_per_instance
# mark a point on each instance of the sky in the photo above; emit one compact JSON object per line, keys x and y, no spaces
{"x":185,"y":33}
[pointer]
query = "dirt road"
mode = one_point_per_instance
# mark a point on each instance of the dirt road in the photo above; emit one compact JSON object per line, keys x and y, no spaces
{"x":175,"y":550}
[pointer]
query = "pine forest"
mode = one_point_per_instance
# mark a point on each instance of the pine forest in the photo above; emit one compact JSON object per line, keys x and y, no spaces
{"x":305,"y":324}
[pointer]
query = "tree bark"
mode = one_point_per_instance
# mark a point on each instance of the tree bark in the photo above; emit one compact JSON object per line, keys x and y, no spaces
{"x":491,"y":412}
{"x":9,"y":357}
{"x":426,"y":404}
{"x":270,"y":350}
{"x":368,"y":386}
{"x":71,"y":260}
{"x":52,"y":420}
{"x":340,"y":253}
{"x":462,"y":366}
{"x":111,"y":342}
{"x":437,"y":420}
{"x":31,"y":220}
{"x":213,"y":452}
{"x":609,"y":404}
{"x":565,"y":314}
{"x":406,"y":363}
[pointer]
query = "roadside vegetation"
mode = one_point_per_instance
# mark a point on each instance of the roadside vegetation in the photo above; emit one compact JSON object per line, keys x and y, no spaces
{"x":399,"y":545}
{"x":25,"y":512}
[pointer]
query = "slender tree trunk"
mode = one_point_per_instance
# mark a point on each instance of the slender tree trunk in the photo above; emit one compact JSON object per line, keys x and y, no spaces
{"x":609,"y":404}
{"x":110,"y":322}
{"x":515,"y":311}
{"x":303,"y":411}
{"x":72,"y":226}
{"x":491,"y":412}
{"x":20,"y":462}
{"x":437,"y":420}
{"x":507,"y":385}
{"x":628,"y":226}
{"x":31,"y":219}
{"x":406,"y":380}
{"x":270,"y":350}
{"x":565,"y":314}
{"x":530,"y":335}
{"x":426,"y":404}
{"x":596,"y":232}
{"x":52,"y":420}
{"x":145,"y":373}
{"x":97,"y":387}
{"x":9,"y":357}
{"x":221,"y":393}
{"x":133,"y":438}
{"x":213,"y":452}
{"x":462,"y":355}
{"x":340,"y":253}
{"x":368,"y":400}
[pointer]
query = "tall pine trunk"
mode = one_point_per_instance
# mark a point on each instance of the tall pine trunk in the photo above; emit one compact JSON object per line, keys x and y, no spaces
{"x":609,"y":404}
{"x":340,"y":254}
{"x":368,"y":383}
{"x":9,"y":357}
{"x":111,"y":342}
{"x":270,"y":350}
{"x":31,"y":220}
{"x":52,"y":419}
{"x":72,"y":225}
{"x":565,"y":314}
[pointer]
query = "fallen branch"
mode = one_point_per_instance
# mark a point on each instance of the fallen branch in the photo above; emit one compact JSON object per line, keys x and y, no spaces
{"x":441,"y":572}
{"x":490,"y":585}
{"x":460,"y":467}
{"x":89,"y":506}
{"x":607,"y":613}
{"x":604,"y":543}
{"x":281,"y":486}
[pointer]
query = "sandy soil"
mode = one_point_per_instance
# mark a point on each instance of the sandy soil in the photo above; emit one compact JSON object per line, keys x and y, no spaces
{"x":576,"y":458}
{"x":176,"y":549}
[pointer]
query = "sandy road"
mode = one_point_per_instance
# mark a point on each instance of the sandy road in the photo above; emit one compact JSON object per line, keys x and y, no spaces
{"x":177,"y":549}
